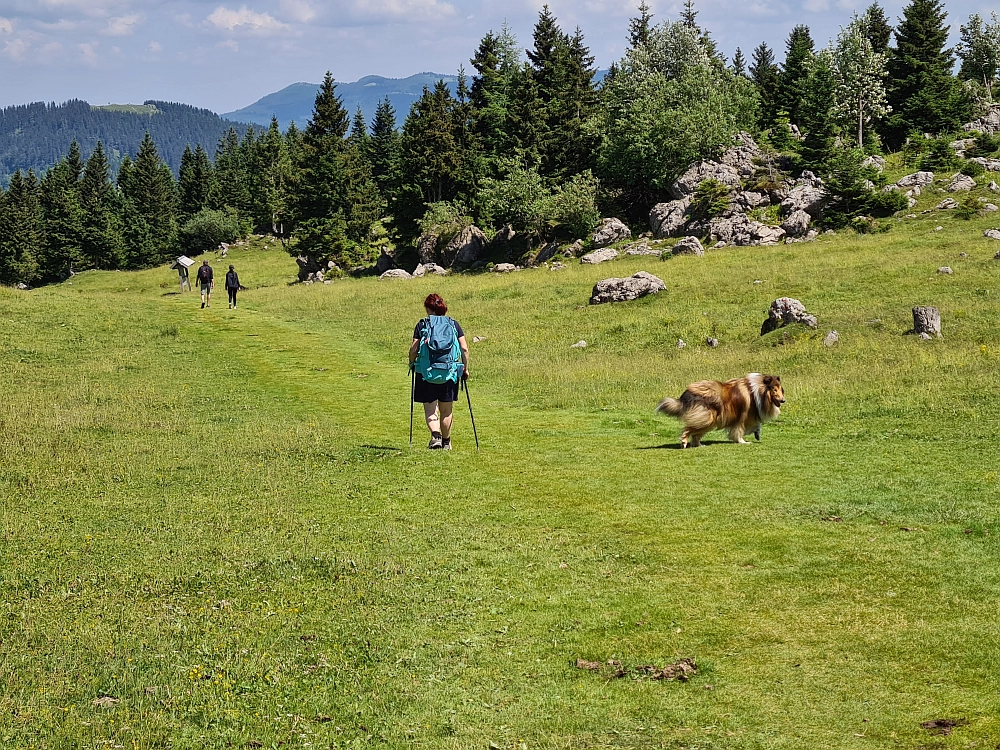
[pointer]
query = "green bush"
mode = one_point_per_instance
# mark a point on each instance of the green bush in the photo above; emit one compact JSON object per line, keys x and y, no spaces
{"x":207,"y":229}
{"x":972,"y":169}
{"x":987,"y":144}
{"x":969,"y":208}
{"x":445,"y":220}
{"x":939,"y":155}
{"x":710,"y":199}
{"x":869,"y":225}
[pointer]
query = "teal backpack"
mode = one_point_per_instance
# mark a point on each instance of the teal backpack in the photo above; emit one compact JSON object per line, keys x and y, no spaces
{"x":439,"y":356}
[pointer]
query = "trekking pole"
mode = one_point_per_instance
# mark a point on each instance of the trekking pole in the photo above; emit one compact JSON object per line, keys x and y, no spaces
{"x":465,"y":385}
{"x":413,"y":387}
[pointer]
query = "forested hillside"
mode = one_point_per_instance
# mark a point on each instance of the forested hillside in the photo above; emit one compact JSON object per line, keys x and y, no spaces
{"x":35,"y":136}
{"x":530,"y":151}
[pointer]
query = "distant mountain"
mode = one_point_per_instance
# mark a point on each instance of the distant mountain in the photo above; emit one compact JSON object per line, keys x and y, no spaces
{"x":37,"y":135}
{"x":296,"y":102}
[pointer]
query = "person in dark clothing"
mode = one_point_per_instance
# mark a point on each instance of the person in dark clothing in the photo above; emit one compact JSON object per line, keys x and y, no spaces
{"x":206,"y":280}
{"x":232,"y":286}
{"x":438,"y":398}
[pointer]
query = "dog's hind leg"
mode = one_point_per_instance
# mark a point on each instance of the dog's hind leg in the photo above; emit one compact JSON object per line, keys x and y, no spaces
{"x":736,"y":434}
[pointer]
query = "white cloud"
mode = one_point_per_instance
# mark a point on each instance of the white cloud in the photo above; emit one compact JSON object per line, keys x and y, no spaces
{"x":230,"y":44}
{"x":154,"y":48}
{"x":244,"y":20}
{"x":403,"y":10}
{"x":17,"y":49}
{"x":122,"y":25}
{"x":88,"y":52}
{"x":298,"y":10}
{"x":6,"y":26}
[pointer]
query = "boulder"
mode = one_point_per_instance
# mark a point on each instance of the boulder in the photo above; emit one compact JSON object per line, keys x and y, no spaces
{"x":945,"y":270}
{"x":927,"y":322}
{"x":384,"y":263}
{"x":395,"y":273}
{"x":785,"y":311}
{"x":874,"y":161}
{"x":581,"y":344}
{"x":989,"y":123}
{"x":990,"y":165}
{"x":807,"y":197}
{"x":665,"y":219}
{"x":993,"y":187}
{"x":809,"y":179}
{"x":573,"y":250}
{"x":23,"y":287}
{"x":742,"y":231}
{"x":504,"y":268}
{"x":600,"y":256}
{"x":547,"y":252}
{"x":960,"y":183}
{"x":697,"y":173}
{"x":947,"y":203}
{"x":962,"y":145}
{"x":992,"y":234}
{"x":623,"y":290}
{"x":609,"y":232}
{"x":917,"y":179}
{"x":688,"y":246}
{"x":427,"y":248}
{"x":743,"y":156}
{"x":712,"y":342}
{"x":990,"y":207}
{"x":465,"y":248}
{"x":749,"y":200}
{"x":428,"y":268}
{"x":797,"y":223}
{"x":831,"y":339}
{"x":640,"y":248}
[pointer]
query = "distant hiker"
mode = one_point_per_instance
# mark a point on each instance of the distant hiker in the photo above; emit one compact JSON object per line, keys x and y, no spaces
{"x":206,"y":280}
{"x":440,"y":356}
{"x":232,"y":286}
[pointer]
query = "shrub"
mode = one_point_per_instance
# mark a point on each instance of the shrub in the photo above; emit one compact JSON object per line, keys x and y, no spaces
{"x":710,"y":199}
{"x":869,"y":225}
{"x":969,"y":208}
{"x":972,"y":169}
{"x":444,"y":219}
{"x":987,"y":144}
{"x":207,"y":229}
{"x":939,"y":155}
{"x":571,"y":209}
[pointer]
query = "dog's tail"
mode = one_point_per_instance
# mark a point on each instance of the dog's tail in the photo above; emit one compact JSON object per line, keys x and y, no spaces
{"x":671,"y":407}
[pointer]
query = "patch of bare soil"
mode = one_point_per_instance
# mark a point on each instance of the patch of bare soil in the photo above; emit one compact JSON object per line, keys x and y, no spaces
{"x":681,"y":670}
{"x":942,"y":726}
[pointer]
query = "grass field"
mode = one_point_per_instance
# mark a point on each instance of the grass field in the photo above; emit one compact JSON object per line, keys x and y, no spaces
{"x":215,"y":533}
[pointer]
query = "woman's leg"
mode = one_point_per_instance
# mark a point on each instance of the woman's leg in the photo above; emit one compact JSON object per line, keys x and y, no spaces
{"x":446,"y":416}
{"x":431,"y":415}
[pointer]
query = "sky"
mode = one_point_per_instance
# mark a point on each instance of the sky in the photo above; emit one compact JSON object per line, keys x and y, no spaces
{"x":225,"y":54}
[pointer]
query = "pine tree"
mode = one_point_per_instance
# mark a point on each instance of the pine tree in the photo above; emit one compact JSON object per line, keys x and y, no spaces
{"x":689,"y":15}
{"x":764,"y":73}
{"x":195,"y":182}
{"x":359,"y":129}
{"x":62,"y":252}
{"x":817,"y":114}
{"x":923,"y":94}
{"x":21,"y":230}
{"x":101,"y":236}
{"x":272,"y":201}
{"x":638,"y":27}
{"x":878,"y":28}
{"x":150,"y":204}
{"x":739,"y":66}
{"x":795,"y":72}
{"x":230,"y":188}
{"x":74,"y":162}
{"x":384,"y":149}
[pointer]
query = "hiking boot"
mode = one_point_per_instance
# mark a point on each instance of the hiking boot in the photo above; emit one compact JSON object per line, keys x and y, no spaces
{"x":436,"y":443}
{"x":446,"y":444}
{"x":202,"y":305}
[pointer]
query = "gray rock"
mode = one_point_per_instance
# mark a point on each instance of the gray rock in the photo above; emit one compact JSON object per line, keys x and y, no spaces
{"x":665,"y":219}
{"x":914,"y":192}
{"x":600,"y":256}
{"x":557,"y":266}
{"x":926,"y":337}
{"x":641,"y":248}
{"x":609,"y":232}
{"x":947,"y":203}
{"x":993,"y":187}
{"x":990,"y":123}
{"x":425,"y":268}
{"x":806,"y":197}
{"x":911,"y":202}
{"x":797,"y":223}
{"x":681,"y":344}
{"x":718,"y":245}
{"x":712,"y":342}
{"x":927,"y":320}
{"x":743,"y":156}
{"x":697,"y":173}
{"x":581,"y":344}
{"x":427,"y":248}
{"x":831,"y":339}
{"x":23,"y":287}
{"x":749,"y":200}
{"x":464,"y":249}
{"x":809,"y":179}
{"x":395,"y":273}
{"x":874,"y":161}
{"x":384,"y":263}
{"x":917,"y":179}
{"x":945,"y":269}
{"x":938,"y":229}
{"x":504,"y":268}
{"x":623,"y":290}
{"x":547,"y":252}
{"x":785,"y":311}
{"x":477,"y":339}
{"x":961,"y":183}
{"x":990,"y":165}
{"x":962,"y":145}
{"x":688,"y":246}
{"x":990,"y":207}
{"x":742,"y":231}
{"x":992,"y":234}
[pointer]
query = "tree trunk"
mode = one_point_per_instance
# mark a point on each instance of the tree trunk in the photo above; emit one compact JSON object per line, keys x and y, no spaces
{"x":861,"y":126}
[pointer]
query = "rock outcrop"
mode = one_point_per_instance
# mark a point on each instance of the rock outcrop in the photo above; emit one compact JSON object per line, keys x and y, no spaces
{"x":624,"y":290}
{"x":428,"y":268}
{"x":961,"y":183}
{"x":600,"y":256}
{"x":988,"y":123}
{"x":464,"y":249}
{"x":785,"y":311}
{"x":427,"y":248}
{"x":609,"y":232}
{"x":688,"y":246}
{"x":917,"y":179}
{"x":667,"y":218}
{"x":685,"y":185}
{"x":395,"y":273}
{"x":797,"y":223}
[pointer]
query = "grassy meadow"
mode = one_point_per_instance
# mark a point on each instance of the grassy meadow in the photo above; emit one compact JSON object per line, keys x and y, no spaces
{"x":216,"y":535}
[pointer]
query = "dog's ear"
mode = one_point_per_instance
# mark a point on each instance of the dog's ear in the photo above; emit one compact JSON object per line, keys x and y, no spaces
{"x":768,"y":379}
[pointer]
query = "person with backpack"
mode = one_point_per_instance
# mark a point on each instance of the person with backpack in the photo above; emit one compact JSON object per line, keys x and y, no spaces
{"x":206,"y":280}
{"x":439,"y":357}
{"x":232,"y":286}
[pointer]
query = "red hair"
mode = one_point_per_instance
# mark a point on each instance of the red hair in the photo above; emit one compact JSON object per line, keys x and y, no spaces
{"x":435,"y":305}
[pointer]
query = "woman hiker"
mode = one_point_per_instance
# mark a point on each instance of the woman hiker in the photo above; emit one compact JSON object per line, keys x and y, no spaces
{"x":438,"y":398}
{"x":232,"y":286}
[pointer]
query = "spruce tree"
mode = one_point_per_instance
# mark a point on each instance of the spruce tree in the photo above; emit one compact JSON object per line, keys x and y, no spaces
{"x":195,"y":182}
{"x":878,"y":28}
{"x":924,"y":95}
{"x":638,"y":27}
{"x":21,"y":230}
{"x":689,"y":15}
{"x":62,"y":252}
{"x":764,"y":73}
{"x":739,"y":66}
{"x":150,"y":204}
{"x":230,"y":188}
{"x":817,"y":114}
{"x":359,"y":129}
{"x":101,"y":236}
{"x":384,"y":149}
{"x":795,"y":72}
{"x":275,"y":180}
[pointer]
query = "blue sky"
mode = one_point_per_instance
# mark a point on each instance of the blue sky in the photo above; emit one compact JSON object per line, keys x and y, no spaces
{"x":225,"y":54}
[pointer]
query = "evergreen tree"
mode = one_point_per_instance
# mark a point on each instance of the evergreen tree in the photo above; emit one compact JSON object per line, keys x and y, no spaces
{"x":359,"y":129}
{"x":817,"y":114}
{"x":272,"y":201}
{"x":923,"y":94}
{"x":795,"y":72}
{"x":21,"y":230}
{"x":764,"y":73}
{"x":878,"y":28}
{"x":195,"y":182}
{"x":150,"y":204}
{"x":101,"y":235}
{"x":739,"y":66}
{"x":638,"y":27}
{"x":384,"y":149}
{"x":62,"y":252}
{"x":74,"y":162}
{"x":230,"y":186}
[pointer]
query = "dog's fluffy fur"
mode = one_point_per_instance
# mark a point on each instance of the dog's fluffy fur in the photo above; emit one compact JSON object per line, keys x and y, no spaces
{"x":739,"y":406}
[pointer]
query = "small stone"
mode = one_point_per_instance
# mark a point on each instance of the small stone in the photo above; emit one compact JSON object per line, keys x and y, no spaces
{"x":600,"y":256}
{"x":504,"y":268}
{"x":990,"y":207}
{"x":945,"y":269}
{"x":938,"y":229}
{"x":581,"y":344}
{"x":681,"y":344}
{"x":992,"y":234}
{"x":557,"y":266}
{"x":327,"y":281}
{"x":993,"y":187}
{"x":831,"y":339}
{"x":911,"y":216}
{"x":785,"y":311}
{"x":713,"y":343}
{"x":963,"y":255}
{"x":718,"y":245}
{"x":758,"y":281}
{"x":688,"y":246}
{"x":925,"y":337}
{"x":477,"y":339}
{"x":947,"y":203}
{"x":927,"y":320}
{"x":395,"y":273}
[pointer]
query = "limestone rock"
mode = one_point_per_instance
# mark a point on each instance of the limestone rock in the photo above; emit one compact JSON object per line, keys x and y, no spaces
{"x":945,"y":270}
{"x":990,"y":123}
{"x":609,"y":232}
{"x":990,"y":207}
{"x":961,"y":183}
{"x":395,"y":273}
{"x":785,"y":311}
{"x":712,"y":342}
{"x":993,"y":187}
{"x":600,"y":256}
{"x":927,"y":320}
{"x":23,"y":287}
{"x":749,"y":200}
{"x":992,"y":234}
{"x":947,"y":203}
{"x":911,"y":202}
{"x":547,"y":252}
{"x":581,"y":344}
{"x":681,"y":344}
{"x":688,"y":246}
{"x":623,"y":290}
{"x":641,"y":248}
{"x":697,"y":173}
{"x":917,"y":179}
{"x":807,"y":197}
{"x":425,"y":268}
{"x":874,"y":161}
{"x":797,"y":223}
{"x":504,"y":268}
{"x":990,"y":165}
{"x":666,"y":218}
{"x":427,"y":248}
{"x":962,"y":145}
{"x":464,"y":249}
{"x":831,"y":339}
{"x":743,"y":156}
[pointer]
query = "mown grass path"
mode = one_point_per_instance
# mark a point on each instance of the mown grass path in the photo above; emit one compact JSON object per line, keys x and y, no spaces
{"x":211,"y":519}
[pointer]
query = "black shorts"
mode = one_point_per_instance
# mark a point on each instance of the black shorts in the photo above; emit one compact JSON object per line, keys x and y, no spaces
{"x":428,"y":393}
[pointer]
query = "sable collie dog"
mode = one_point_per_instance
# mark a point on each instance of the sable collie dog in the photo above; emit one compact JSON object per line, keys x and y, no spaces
{"x":738,"y":406}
